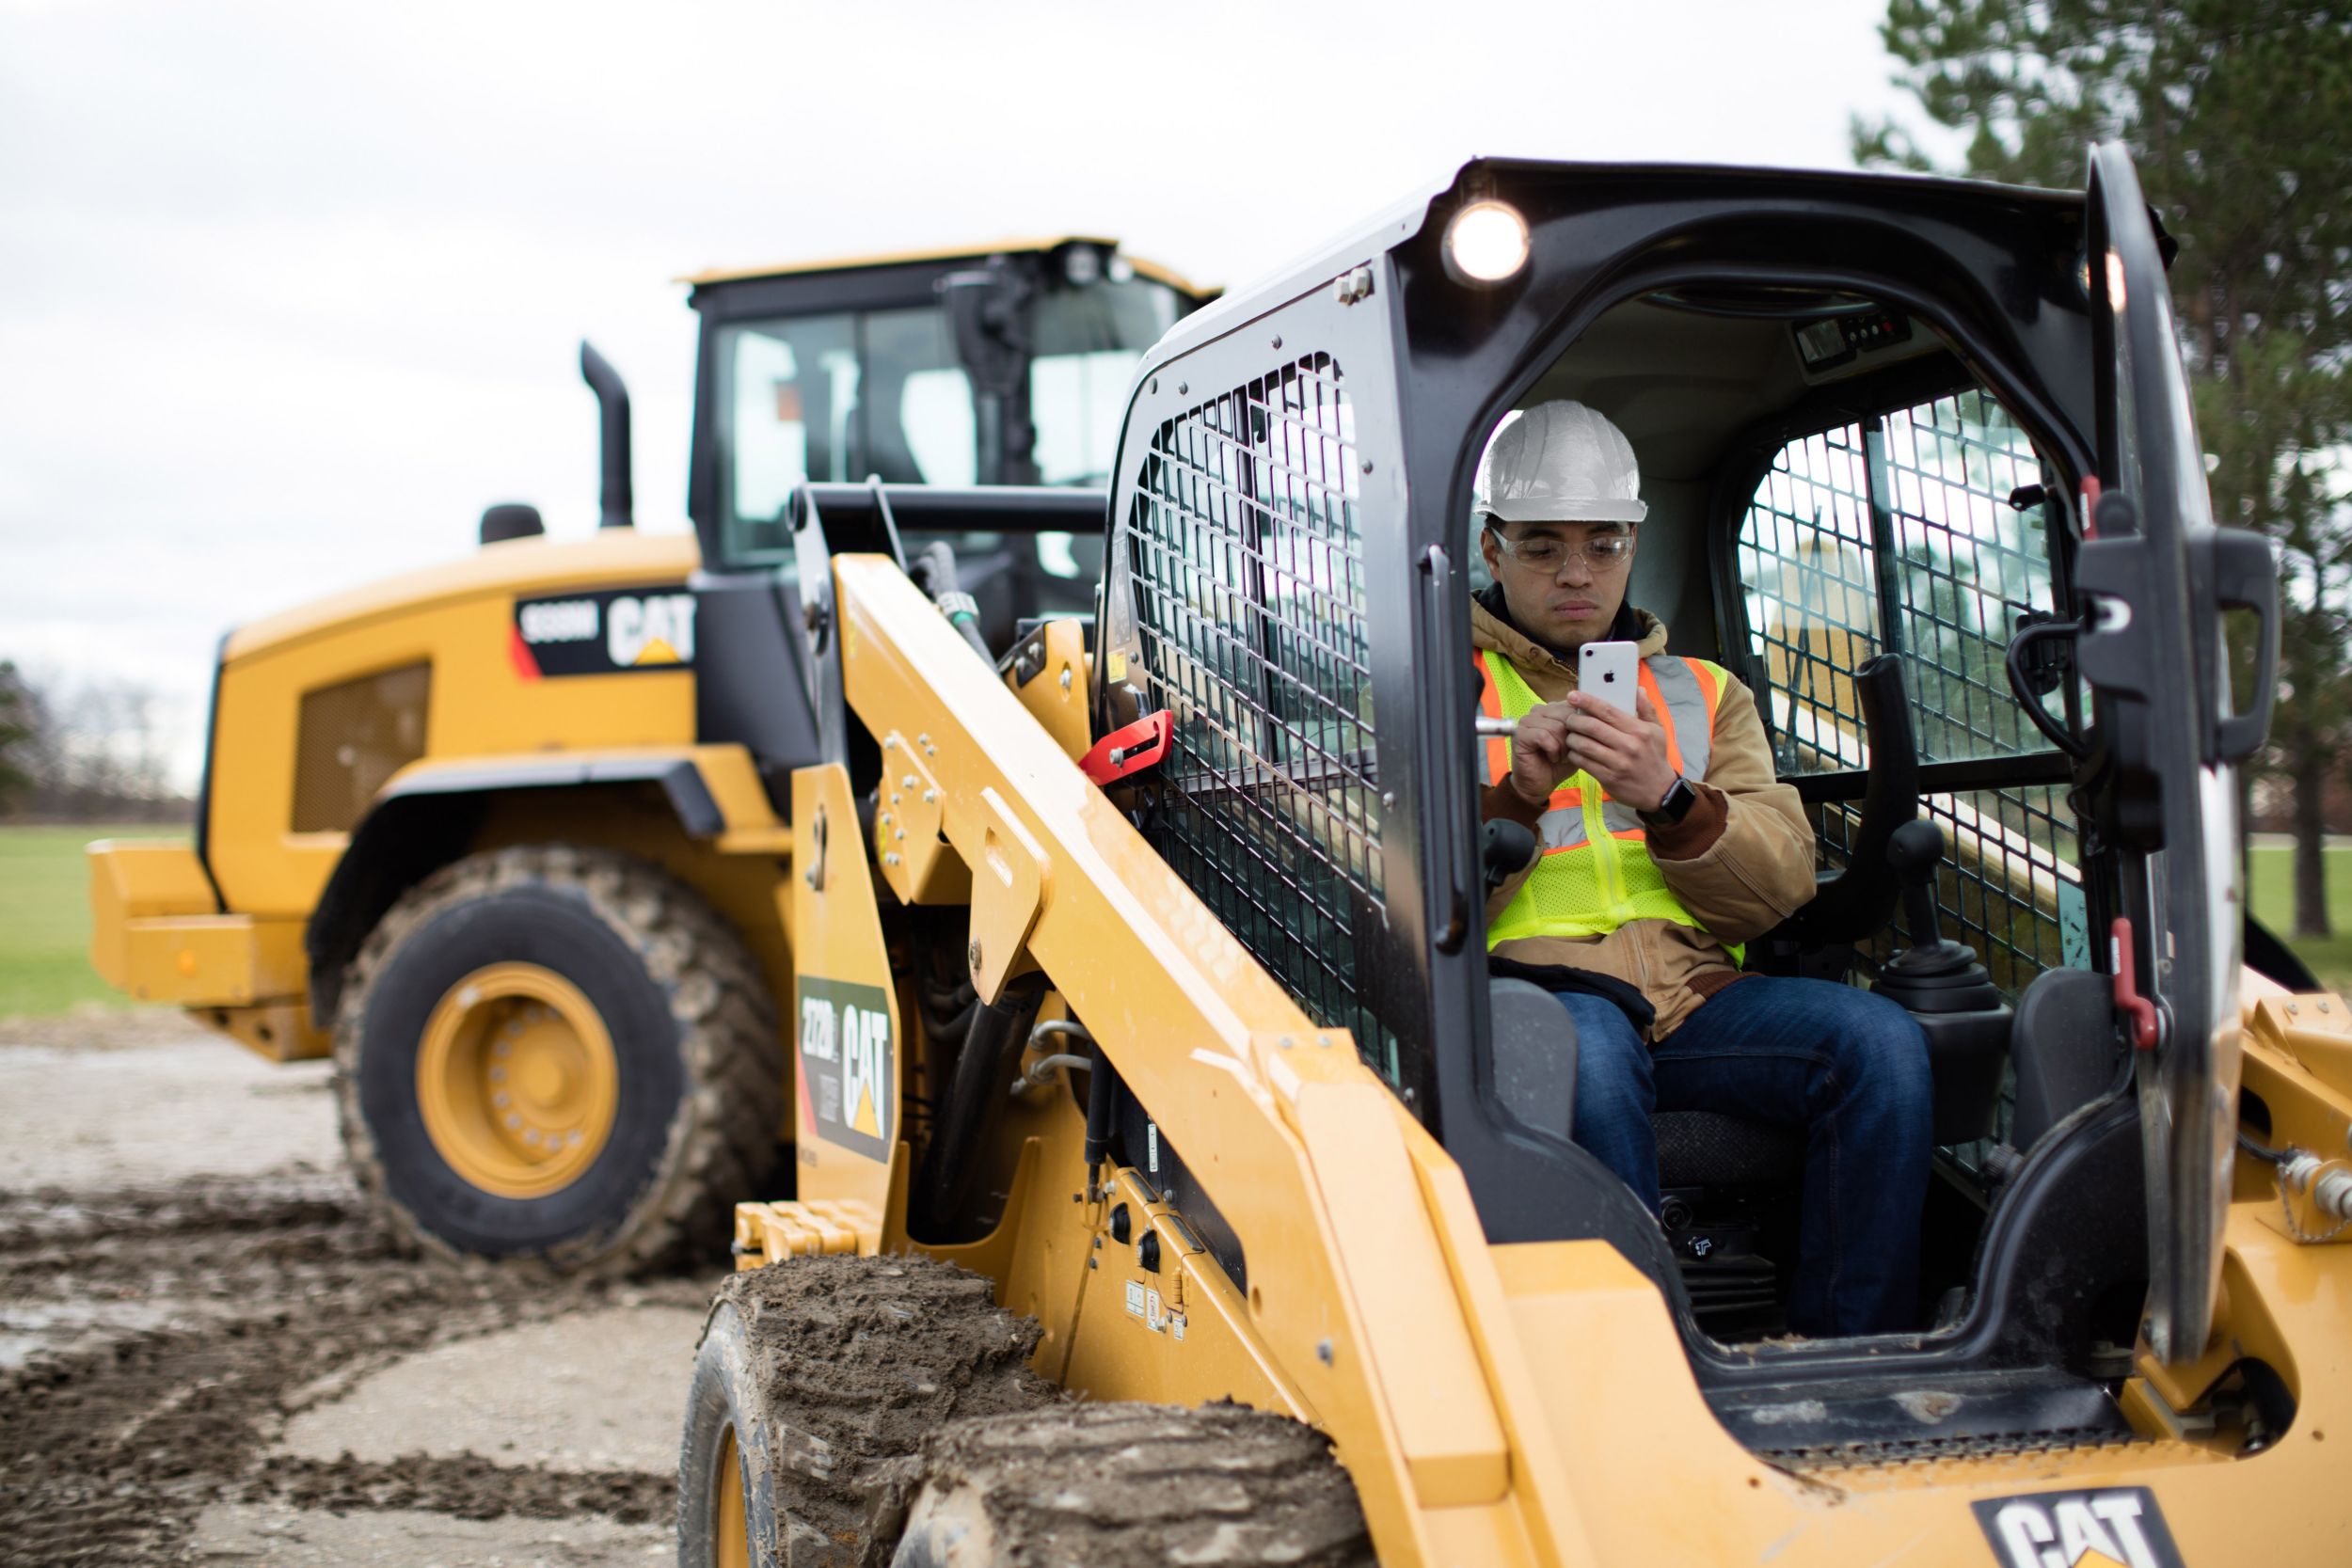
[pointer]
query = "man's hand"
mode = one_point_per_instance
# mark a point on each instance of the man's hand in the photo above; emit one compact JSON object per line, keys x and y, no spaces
{"x":1537,"y":752}
{"x":1626,"y":751}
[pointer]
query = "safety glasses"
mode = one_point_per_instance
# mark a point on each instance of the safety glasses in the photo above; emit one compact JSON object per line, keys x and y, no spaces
{"x":1546,"y":552}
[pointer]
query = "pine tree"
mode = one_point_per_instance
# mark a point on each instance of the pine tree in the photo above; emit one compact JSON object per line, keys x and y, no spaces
{"x":2239,"y":116}
{"x":16,"y":735}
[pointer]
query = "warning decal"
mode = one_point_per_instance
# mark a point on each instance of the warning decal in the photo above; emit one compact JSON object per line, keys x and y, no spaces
{"x":848,"y":1065}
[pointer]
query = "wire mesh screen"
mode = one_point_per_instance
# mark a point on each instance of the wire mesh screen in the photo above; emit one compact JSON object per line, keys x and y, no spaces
{"x":2010,"y":887}
{"x":1897,"y":534}
{"x":1812,"y":589}
{"x":1911,"y":508}
{"x":1969,"y":565}
{"x":1246,"y":555}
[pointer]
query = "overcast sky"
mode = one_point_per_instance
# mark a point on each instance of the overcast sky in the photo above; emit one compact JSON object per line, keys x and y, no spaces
{"x":288,"y":293}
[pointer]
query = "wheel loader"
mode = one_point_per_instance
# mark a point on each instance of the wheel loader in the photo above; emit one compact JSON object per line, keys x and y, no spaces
{"x":1175,"y":1179}
{"x":506,"y":836}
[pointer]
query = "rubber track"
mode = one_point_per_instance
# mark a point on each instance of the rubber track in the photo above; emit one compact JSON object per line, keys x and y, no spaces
{"x":881,"y":1377}
{"x":722,"y":1142}
{"x":856,"y":1361}
{"x":1112,"y":1484}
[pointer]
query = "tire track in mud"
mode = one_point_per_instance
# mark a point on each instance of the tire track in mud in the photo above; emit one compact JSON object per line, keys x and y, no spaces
{"x":252,"y":1299}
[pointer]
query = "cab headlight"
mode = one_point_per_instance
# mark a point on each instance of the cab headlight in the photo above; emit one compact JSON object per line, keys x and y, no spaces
{"x":1485,"y":244}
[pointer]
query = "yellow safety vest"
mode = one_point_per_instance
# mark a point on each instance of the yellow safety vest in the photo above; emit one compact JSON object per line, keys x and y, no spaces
{"x":1595,"y":872}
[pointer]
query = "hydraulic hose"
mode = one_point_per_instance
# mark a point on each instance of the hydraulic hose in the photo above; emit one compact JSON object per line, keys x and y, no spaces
{"x":1103,"y":1088}
{"x":935,"y":567}
{"x":975,"y":1091}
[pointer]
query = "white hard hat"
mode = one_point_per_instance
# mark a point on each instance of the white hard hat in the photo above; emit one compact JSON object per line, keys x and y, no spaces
{"x":1561,"y":462}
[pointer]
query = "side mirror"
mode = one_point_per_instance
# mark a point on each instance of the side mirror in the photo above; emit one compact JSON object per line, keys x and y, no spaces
{"x":510,"y":520}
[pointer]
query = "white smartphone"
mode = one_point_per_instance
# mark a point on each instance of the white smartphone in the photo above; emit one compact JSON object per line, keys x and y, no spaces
{"x":1610,"y":670}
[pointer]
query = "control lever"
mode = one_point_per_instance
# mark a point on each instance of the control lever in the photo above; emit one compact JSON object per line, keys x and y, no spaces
{"x":1947,"y":994}
{"x":1928,"y":962}
{"x":1503,"y":847}
{"x":1913,"y":851}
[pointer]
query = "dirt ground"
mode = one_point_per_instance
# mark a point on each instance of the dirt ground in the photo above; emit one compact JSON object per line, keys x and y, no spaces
{"x":208,"y":1355}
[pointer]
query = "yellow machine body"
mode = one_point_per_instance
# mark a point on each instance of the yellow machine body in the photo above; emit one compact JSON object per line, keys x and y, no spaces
{"x":1495,"y":1404}
{"x":161,"y":933}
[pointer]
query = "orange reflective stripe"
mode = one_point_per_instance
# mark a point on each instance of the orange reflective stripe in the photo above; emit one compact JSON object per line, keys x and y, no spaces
{"x":1665,"y":716}
{"x":1490,"y":703}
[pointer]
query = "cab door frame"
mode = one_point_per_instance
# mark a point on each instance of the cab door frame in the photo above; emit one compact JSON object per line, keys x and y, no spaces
{"x":2159,"y":575}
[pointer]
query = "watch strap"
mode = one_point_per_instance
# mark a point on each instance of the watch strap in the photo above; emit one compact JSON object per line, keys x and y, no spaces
{"x":1680,"y":798}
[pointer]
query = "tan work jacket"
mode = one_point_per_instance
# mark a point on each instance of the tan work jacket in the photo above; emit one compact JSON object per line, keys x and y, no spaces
{"x":1740,"y":863}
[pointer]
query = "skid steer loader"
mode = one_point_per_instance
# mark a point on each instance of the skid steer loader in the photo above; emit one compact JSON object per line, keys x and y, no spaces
{"x":1144,"y":1044}
{"x":507,"y":836}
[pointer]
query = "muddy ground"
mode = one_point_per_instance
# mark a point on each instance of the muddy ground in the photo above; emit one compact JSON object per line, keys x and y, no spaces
{"x":208,"y":1354}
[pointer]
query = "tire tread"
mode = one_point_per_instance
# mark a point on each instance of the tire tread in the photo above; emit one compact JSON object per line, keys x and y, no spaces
{"x":721,"y":1140}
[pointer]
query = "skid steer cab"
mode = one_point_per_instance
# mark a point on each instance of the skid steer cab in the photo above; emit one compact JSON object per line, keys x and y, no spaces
{"x":510,"y":836}
{"x":1147,"y":1041}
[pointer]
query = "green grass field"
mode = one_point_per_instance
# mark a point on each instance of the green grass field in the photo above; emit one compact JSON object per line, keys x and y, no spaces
{"x":2273,"y":898}
{"x":44,"y":917}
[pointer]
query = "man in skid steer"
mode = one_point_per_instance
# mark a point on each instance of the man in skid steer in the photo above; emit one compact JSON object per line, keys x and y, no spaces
{"x":1663,"y":842}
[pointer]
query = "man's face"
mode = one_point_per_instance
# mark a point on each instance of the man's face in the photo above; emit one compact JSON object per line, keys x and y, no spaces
{"x":1571,"y":599}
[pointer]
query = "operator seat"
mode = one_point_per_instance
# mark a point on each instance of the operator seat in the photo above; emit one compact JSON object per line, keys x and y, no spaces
{"x":1709,"y":1150}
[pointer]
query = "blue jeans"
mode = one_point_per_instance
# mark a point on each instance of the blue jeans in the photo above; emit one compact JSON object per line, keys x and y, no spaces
{"x":1848,"y":1067}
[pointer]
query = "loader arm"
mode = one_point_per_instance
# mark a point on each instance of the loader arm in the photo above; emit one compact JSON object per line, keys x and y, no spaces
{"x":1372,"y":1287}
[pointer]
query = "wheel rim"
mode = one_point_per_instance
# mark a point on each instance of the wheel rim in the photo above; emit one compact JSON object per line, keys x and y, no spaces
{"x":516,"y":1080}
{"x":733,"y":1543}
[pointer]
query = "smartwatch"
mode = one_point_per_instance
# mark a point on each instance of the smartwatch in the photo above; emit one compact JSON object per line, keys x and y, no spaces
{"x":1677,"y":805}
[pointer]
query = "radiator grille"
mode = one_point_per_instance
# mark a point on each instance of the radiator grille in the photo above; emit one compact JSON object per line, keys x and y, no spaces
{"x":353,"y":736}
{"x":1246,"y":554}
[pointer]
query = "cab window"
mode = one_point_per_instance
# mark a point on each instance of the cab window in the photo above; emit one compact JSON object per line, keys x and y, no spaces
{"x":1918,"y":531}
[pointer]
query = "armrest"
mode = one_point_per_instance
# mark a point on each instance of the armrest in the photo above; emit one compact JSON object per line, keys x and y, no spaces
{"x":1534,"y":1066}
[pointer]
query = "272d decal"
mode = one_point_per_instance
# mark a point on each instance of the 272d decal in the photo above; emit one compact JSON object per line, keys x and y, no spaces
{"x":847,"y":1074}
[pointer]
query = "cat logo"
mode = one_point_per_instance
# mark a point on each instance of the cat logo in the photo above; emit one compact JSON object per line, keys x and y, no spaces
{"x":610,"y":632}
{"x":2115,"y":1526}
{"x":658,"y":629}
{"x":846,"y":1068}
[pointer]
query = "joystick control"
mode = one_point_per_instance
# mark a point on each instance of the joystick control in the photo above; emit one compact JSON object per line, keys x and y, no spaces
{"x":1946,"y":991}
{"x":1504,"y":846}
{"x":1915,"y":852}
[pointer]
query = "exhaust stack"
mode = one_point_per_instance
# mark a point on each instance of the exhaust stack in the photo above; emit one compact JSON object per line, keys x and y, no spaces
{"x":613,"y":414}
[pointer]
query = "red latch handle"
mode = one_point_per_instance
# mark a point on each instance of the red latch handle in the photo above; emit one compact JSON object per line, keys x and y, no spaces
{"x":1129,"y":748}
{"x":2128,"y":1000}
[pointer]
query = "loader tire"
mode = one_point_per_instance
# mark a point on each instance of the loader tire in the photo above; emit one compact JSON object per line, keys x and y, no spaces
{"x":812,"y":1376}
{"x":1114,"y":1485}
{"x":558,"y":1054}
